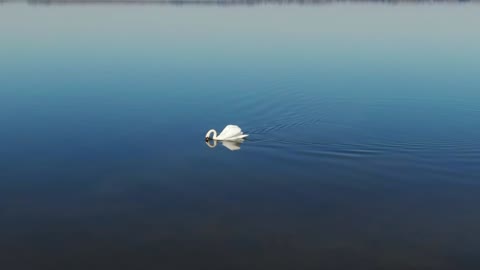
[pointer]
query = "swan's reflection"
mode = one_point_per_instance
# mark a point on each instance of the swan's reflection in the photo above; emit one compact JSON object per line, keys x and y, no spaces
{"x":231,"y":145}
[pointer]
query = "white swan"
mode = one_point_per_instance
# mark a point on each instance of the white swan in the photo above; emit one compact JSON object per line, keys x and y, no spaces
{"x":229,"y":133}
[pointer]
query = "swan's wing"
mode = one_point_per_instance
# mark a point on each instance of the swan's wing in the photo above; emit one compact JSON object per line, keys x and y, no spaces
{"x":236,"y":138}
{"x":229,"y":132}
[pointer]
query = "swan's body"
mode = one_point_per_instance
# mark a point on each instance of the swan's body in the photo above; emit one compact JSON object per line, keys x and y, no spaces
{"x":229,"y":133}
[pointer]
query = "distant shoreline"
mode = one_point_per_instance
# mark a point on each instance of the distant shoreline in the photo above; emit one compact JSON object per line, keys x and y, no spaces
{"x":231,"y":2}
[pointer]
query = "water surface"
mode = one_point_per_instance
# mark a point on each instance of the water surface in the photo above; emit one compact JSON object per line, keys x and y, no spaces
{"x":363,"y":150}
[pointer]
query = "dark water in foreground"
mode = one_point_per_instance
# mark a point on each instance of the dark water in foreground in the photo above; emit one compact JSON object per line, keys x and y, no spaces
{"x":364,"y":148}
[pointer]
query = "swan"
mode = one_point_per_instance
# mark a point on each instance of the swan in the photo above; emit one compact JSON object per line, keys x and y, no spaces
{"x":229,"y":133}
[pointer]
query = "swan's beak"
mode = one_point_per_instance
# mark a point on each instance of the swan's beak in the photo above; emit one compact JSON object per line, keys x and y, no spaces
{"x":206,"y":139}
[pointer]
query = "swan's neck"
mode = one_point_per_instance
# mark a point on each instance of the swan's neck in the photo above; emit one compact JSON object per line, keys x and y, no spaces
{"x":214,"y":134}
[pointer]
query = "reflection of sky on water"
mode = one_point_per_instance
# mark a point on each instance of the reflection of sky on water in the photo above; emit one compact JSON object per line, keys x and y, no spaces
{"x":363,"y":146}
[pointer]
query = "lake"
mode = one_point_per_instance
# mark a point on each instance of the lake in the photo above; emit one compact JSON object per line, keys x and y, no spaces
{"x":363,"y":148}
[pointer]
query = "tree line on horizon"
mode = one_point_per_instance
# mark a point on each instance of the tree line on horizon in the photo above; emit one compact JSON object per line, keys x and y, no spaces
{"x":226,"y":2}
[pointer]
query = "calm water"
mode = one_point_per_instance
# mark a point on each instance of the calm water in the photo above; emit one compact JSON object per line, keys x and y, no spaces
{"x":364,"y":125}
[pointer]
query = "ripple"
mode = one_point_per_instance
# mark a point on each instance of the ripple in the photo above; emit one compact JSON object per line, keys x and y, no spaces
{"x":295,"y":124}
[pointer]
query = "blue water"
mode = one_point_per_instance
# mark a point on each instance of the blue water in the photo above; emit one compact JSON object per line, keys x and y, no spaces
{"x":364,"y":123}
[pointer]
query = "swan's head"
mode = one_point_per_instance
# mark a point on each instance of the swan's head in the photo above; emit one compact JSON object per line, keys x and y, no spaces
{"x":207,"y":136}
